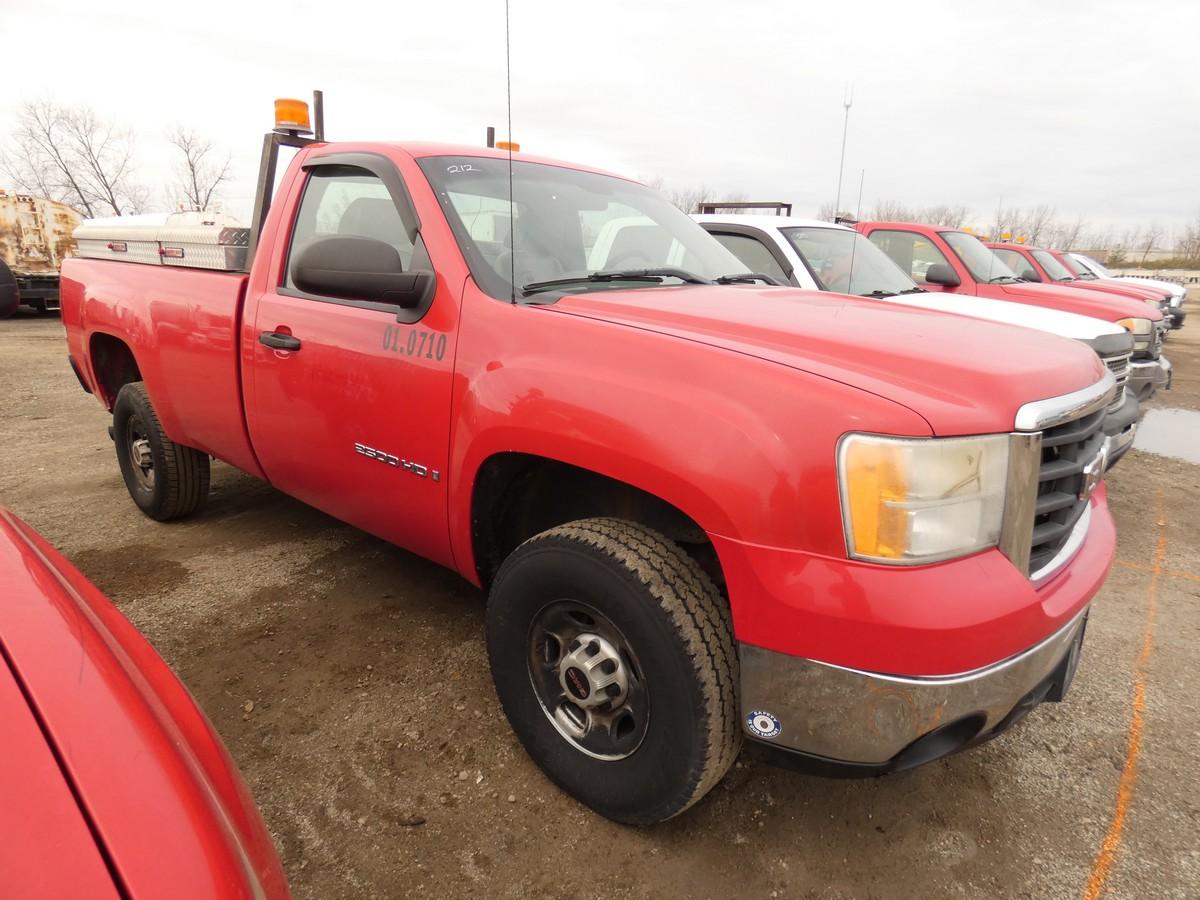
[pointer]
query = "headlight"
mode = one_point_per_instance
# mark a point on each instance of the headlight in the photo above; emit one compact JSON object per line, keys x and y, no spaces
{"x":1141,"y":329}
{"x":911,"y":501}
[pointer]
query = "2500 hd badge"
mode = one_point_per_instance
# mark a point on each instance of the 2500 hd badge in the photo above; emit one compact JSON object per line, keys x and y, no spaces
{"x":415,"y":468}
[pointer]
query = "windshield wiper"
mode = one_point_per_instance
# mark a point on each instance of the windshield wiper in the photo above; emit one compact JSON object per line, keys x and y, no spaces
{"x":749,"y":278}
{"x":915,"y":290}
{"x":654,"y":276}
{"x":880,"y":294}
{"x":1004,"y":279}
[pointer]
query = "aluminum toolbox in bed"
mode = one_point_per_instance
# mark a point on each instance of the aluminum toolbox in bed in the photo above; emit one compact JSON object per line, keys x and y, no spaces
{"x":188,"y":239}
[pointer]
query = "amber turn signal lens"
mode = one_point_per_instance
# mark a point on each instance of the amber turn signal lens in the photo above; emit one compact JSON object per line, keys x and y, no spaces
{"x":508,"y":145}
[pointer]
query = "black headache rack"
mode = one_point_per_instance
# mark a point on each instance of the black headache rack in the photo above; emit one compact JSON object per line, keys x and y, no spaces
{"x":706,"y":208}
{"x":269,"y":162}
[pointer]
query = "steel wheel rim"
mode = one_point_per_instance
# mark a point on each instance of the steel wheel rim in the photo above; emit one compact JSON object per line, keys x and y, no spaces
{"x":141,"y":458}
{"x":601,"y":710}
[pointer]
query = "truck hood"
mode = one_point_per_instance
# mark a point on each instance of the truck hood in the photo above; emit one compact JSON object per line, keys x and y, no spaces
{"x":1167,"y":287}
{"x":1098,"y":304}
{"x":48,"y":849}
{"x":1040,"y":318}
{"x":964,"y":376}
{"x":1107,"y":286}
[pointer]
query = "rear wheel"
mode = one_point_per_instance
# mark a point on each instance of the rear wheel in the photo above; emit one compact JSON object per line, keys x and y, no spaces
{"x":166,"y":480}
{"x":613,"y":656}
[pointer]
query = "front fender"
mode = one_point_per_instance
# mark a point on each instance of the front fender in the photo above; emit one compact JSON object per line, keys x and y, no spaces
{"x":743,"y":446}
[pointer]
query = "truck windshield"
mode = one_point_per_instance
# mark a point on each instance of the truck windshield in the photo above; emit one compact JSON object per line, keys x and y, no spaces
{"x":565,"y":224}
{"x":982,"y":263}
{"x":1053,"y":267}
{"x":846,"y":262}
{"x":1076,"y":267}
{"x":1096,"y":270}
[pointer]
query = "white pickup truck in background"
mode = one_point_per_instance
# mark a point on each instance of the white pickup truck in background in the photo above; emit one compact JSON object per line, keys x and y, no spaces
{"x":816,"y":255}
{"x":1177,"y":291}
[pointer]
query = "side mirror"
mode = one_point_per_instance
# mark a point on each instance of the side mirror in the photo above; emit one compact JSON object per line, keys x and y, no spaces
{"x":360,"y":268}
{"x":1029,"y":275}
{"x":941,"y":273}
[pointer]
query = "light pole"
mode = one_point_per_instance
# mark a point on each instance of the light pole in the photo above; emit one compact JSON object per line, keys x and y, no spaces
{"x":847,"y":102}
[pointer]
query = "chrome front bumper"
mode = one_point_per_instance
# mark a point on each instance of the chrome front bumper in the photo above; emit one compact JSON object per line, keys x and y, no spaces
{"x":1147,"y":375}
{"x":1120,"y":428}
{"x":873,"y":722}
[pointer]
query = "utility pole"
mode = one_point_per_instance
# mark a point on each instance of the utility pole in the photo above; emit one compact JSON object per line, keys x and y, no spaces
{"x":862,"y":178}
{"x":847,"y":102}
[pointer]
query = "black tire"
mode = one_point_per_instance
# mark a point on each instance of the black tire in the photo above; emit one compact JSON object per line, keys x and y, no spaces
{"x":679,"y":635}
{"x":10,"y":296}
{"x":176,"y":483}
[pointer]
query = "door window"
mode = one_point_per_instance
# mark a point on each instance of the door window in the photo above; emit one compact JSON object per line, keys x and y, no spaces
{"x":912,"y":252}
{"x":344,"y":200}
{"x":753,"y":253}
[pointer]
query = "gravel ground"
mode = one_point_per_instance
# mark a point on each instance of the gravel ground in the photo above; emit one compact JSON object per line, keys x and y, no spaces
{"x":377,"y":751}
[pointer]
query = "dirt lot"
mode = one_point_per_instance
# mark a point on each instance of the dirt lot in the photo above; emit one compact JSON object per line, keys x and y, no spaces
{"x":373,"y":710}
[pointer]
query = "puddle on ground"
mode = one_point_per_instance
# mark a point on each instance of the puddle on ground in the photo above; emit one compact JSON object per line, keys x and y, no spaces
{"x":1170,"y":432}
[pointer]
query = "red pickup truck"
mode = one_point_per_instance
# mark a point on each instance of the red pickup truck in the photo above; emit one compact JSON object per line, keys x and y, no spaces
{"x":703,"y":508}
{"x":947,"y":259}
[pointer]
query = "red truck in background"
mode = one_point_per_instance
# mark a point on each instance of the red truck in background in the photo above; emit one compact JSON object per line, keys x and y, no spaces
{"x":1091,"y":272}
{"x":114,"y":784}
{"x":703,"y":509}
{"x":955,"y":261}
{"x":1040,"y":265}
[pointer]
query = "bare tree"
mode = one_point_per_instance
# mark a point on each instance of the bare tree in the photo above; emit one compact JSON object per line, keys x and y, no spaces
{"x":67,"y":154}
{"x":1063,"y":235}
{"x":201,"y":171}
{"x":947,"y":216}
{"x":1187,"y":247}
{"x":1035,"y":223}
{"x":892,"y":211}
{"x":689,"y":199}
{"x":654,"y":182}
{"x":1153,"y":232}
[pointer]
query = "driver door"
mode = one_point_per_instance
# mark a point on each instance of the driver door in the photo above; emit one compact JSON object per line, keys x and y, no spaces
{"x":348,"y":400}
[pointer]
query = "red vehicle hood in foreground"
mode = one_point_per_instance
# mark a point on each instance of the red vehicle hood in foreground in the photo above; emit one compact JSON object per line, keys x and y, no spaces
{"x":113,"y":782}
{"x":964,"y":376}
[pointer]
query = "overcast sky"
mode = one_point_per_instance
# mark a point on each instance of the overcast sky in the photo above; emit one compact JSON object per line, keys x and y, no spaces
{"x":1093,"y":108}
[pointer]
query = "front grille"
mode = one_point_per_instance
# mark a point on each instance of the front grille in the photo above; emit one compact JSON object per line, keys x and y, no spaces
{"x":1119,"y":366}
{"x":1066,"y":450}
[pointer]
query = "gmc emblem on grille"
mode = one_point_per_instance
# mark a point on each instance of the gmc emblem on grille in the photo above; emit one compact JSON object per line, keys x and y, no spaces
{"x":1093,"y":472}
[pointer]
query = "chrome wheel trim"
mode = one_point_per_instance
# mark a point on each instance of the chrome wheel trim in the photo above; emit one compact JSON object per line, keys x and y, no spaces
{"x":141,"y":455}
{"x":587,"y":680}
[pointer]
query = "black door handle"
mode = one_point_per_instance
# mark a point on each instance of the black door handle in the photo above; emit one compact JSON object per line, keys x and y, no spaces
{"x":277,"y":341}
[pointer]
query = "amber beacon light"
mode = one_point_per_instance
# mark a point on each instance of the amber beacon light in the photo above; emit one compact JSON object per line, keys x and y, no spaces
{"x":291,"y":116}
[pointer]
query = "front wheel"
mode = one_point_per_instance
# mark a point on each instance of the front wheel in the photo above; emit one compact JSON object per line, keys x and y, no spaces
{"x":166,"y":480}
{"x":613,"y":656}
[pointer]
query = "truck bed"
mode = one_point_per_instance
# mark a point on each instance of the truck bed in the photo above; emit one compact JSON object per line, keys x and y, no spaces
{"x":182,"y":328}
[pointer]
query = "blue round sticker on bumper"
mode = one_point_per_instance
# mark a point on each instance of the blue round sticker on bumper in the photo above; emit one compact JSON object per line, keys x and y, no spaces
{"x":763,"y":724}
